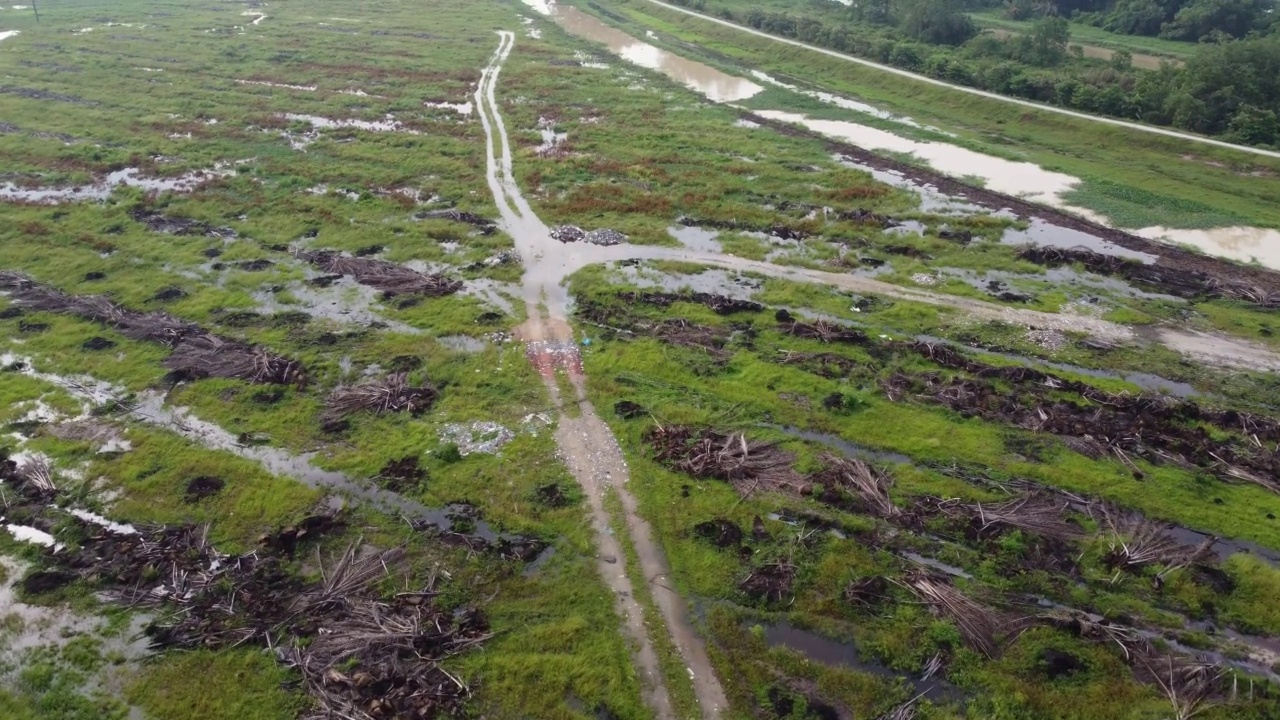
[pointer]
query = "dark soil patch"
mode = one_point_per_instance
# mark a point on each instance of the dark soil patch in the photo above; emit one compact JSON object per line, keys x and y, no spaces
{"x":489,"y":318}
{"x":454,"y":215}
{"x":369,"y":251}
{"x":254,"y":265}
{"x":169,"y":293}
{"x":212,"y":253}
{"x":156,"y":222}
{"x":1055,"y":663}
{"x":404,"y":363}
{"x":97,"y":343}
{"x":202,"y":487}
{"x":240,"y":319}
{"x":719,"y":532}
{"x":324,"y":281}
{"x":95,"y":275}
{"x":10,"y":313}
{"x":720,"y":304}
{"x":402,"y":473}
{"x":552,"y":495}
{"x":268,"y":397}
{"x":628,"y":410}
{"x":43,"y":581}
{"x":291,"y":318}
{"x":32,"y":327}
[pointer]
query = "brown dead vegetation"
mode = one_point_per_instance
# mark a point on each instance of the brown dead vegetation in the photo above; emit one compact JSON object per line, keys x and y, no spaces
{"x":979,"y":625}
{"x":733,"y":458}
{"x":1137,"y":542}
{"x":390,"y":394}
{"x":719,"y":304}
{"x":1158,"y":429}
{"x":1171,"y":280}
{"x":385,"y":276}
{"x":197,"y":353}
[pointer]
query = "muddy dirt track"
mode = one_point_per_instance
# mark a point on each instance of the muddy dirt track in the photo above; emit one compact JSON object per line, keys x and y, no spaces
{"x":587,"y":445}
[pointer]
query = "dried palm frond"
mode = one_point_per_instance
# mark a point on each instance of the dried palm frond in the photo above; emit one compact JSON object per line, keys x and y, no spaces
{"x":391,"y":394}
{"x":979,"y":625}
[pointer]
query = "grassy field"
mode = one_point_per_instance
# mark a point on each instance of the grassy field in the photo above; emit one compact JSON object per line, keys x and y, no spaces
{"x":1097,"y":37}
{"x":268,"y":109}
{"x":1212,"y":185}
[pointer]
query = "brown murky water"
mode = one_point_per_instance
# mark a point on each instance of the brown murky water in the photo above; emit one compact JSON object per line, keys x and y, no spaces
{"x":716,"y":85}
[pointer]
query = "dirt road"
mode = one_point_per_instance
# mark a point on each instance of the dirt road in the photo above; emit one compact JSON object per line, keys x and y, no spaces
{"x":587,"y":445}
{"x":974,"y":91}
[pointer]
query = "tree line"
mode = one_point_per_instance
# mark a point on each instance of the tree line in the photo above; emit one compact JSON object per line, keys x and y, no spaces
{"x":1228,"y":87}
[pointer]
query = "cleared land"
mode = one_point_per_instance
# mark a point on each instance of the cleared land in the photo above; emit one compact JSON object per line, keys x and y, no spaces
{"x":367,"y":362}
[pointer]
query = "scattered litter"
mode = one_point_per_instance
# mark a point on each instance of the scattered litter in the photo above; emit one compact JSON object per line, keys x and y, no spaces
{"x":480,"y":436}
{"x":1047,"y":339}
{"x":573,"y":233}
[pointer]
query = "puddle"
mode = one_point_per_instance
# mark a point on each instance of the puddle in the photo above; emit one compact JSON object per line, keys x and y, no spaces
{"x":102,"y":190}
{"x":40,"y":626}
{"x":824,"y":650}
{"x":1019,"y":179}
{"x":344,"y":301}
{"x":838,"y":101}
{"x":696,"y":238}
{"x":389,"y":124}
{"x":115,"y":527}
{"x":463,"y":343}
{"x":304,"y":88}
{"x":1224,"y":548}
{"x":5,"y":35}
{"x":932,"y":200}
{"x":150,"y":408}
{"x":462,"y":108}
{"x":714,"y":84}
{"x":842,"y":446}
{"x":1044,"y":234}
{"x":1215,"y":349}
{"x":536,"y":566}
{"x":1245,"y":244}
{"x":936,"y":564}
{"x":1147,"y":381}
{"x":551,"y":140}
{"x":35,"y":536}
{"x":257,"y":16}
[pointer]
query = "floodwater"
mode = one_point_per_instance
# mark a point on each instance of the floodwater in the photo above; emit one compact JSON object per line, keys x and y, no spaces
{"x":102,"y":189}
{"x":389,"y":124}
{"x":837,"y":100}
{"x":150,"y":407}
{"x":932,"y":200}
{"x":5,"y":35}
{"x":715,"y":85}
{"x":696,"y":238}
{"x":819,"y":648}
{"x":1019,"y":179}
{"x":842,"y":446}
{"x":937,"y":564}
{"x":1045,"y":234}
{"x":1245,"y":244}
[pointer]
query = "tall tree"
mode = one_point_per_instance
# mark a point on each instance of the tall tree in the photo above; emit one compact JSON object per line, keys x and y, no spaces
{"x":939,"y":22}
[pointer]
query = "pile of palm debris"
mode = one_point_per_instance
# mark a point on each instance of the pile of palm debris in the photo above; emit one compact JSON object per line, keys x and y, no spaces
{"x":197,"y":353}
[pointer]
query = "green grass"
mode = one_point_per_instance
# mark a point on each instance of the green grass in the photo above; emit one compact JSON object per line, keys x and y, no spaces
{"x":232,"y":685}
{"x":1096,"y":36}
{"x":1177,"y":171}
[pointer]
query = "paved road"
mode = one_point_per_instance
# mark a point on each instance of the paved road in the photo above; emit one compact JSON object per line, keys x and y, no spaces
{"x":973,"y":91}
